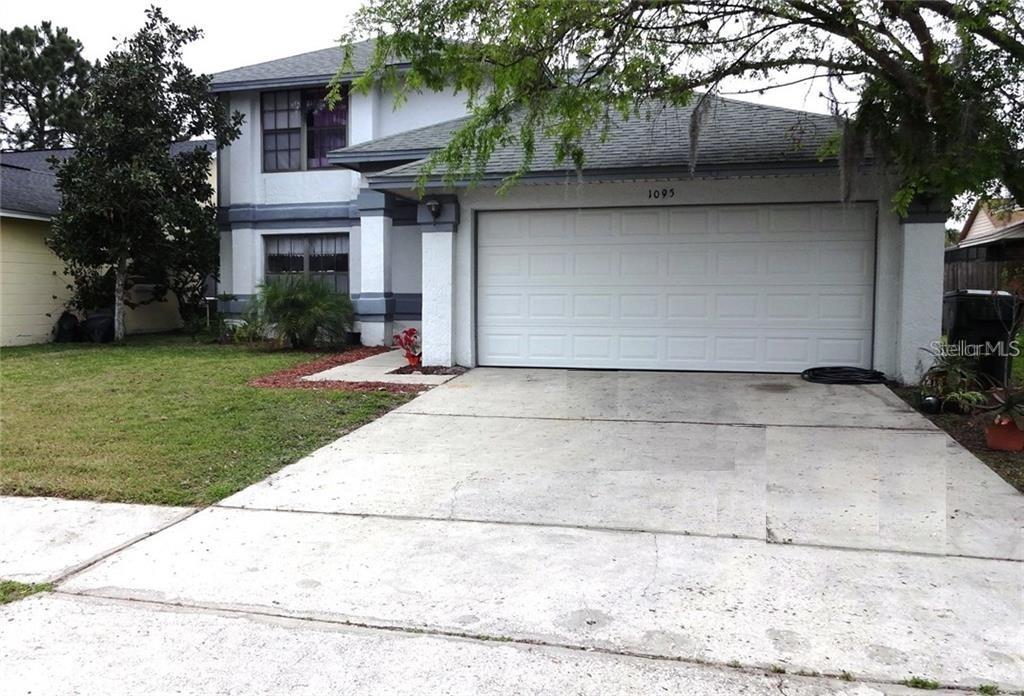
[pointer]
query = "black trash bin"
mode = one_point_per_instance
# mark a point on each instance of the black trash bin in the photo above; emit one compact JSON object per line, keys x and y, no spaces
{"x":977,"y":321}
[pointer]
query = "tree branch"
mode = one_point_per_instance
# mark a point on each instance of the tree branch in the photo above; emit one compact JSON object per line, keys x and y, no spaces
{"x":976,"y":25}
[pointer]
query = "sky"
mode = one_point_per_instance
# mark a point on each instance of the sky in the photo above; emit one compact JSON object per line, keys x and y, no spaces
{"x":237,"y":34}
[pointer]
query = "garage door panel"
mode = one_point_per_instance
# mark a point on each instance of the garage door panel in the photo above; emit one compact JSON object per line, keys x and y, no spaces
{"x":742,"y":352}
{"x":689,"y":264}
{"x":769,"y":288}
{"x":797,"y":308}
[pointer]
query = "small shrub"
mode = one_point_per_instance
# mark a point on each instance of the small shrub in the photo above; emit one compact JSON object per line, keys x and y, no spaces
{"x":249,"y":331}
{"x":921,"y":683}
{"x":845,"y":676}
{"x":964,"y":400}
{"x":303,"y":312}
{"x":989,"y":690}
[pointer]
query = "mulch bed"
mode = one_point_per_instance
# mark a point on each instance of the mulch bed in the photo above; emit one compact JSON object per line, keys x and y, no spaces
{"x":292,"y":377}
{"x":428,"y":370}
{"x":968,"y":432}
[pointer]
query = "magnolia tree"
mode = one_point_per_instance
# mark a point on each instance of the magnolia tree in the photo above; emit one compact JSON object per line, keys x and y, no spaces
{"x":127,"y":202}
{"x":935,"y":87}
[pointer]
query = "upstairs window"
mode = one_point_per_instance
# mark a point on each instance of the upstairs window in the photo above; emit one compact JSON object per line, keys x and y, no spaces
{"x":299,"y":130}
{"x":281,"y":131}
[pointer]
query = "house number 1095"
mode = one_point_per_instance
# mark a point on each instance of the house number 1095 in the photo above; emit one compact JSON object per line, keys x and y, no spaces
{"x":661,"y":193}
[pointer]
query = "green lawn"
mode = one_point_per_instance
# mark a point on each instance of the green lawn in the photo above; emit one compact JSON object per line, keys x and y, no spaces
{"x":162,"y":420}
{"x":12,"y":591}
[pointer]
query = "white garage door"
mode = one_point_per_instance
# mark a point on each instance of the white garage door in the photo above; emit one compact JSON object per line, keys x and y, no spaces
{"x":738,"y":288}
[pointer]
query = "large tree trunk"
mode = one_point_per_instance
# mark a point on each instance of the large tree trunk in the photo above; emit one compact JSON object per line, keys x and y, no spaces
{"x":120,"y":275}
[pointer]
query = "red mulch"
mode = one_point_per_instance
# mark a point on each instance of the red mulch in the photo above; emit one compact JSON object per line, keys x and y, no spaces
{"x":428,"y":370}
{"x":292,"y":377}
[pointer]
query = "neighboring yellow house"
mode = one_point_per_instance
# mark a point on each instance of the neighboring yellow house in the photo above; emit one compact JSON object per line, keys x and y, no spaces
{"x":33,"y":288}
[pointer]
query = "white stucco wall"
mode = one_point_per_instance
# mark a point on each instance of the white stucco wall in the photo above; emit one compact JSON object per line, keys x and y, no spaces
{"x":418,"y":110}
{"x":920,"y":317}
{"x":439,"y":311}
{"x":896,"y":309}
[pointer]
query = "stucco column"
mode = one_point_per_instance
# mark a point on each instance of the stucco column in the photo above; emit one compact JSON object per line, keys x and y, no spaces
{"x":438,"y":219}
{"x":246,"y":265}
{"x":921,"y":288}
{"x":374,"y":302}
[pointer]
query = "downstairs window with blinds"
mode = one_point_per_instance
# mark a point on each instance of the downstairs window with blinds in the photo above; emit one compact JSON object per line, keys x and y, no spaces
{"x":320,"y":256}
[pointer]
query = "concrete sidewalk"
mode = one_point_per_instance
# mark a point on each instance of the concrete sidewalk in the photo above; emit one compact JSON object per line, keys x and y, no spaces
{"x":45,"y":539}
{"x":54,"y":645}
{"x":377,"y":368}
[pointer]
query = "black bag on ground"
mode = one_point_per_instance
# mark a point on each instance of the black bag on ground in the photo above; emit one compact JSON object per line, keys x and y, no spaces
{"x":99,"y":327}
{"x":68,"y":330}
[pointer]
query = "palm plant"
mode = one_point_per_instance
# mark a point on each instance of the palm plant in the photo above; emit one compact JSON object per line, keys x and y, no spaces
{"x":953,"y":379}
{"x":304,"y":311}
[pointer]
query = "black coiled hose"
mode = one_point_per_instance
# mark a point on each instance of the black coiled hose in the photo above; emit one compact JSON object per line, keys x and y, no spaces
{"x":843,"y":375}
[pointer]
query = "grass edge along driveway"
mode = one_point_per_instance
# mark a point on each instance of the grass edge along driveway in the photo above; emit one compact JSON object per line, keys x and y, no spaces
{"x":163,"y":420}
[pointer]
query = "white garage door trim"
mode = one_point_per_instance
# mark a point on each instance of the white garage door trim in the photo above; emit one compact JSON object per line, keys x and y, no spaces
{"x":744,"y":288}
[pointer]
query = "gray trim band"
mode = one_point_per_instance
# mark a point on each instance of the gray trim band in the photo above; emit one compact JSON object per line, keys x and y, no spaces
{"x":379,"y":306}
{"x":342,"y":213}
{"x":374,"y":303}
{"x":451,"y":227}
{"x":376,"y":203}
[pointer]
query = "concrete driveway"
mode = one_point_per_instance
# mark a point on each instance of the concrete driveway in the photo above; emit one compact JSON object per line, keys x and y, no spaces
{"x":550,"y":531}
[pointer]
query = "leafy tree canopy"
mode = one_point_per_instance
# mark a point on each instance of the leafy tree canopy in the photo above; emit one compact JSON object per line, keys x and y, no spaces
{"x":44,"y":81}
{"x":127,"y":201}
{"x":938,"y":85}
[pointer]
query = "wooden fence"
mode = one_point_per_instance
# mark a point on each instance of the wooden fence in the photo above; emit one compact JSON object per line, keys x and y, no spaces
{"x":981,"y":267}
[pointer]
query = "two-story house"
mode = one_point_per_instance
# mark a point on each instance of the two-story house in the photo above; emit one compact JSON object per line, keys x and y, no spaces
{"x":744,"y":260}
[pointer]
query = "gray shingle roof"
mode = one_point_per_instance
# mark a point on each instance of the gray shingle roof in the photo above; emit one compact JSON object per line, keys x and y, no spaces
{"x":401,"y":147}
{"x":734,"y":135}
{"x":26,"y":191}
{"x":315,"y":67}
{"x":36,"y":160}
{"x":29,"y":185}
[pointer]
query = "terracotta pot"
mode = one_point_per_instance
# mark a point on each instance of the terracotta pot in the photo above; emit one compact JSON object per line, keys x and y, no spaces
{"x":1005,"y":436}
{"x":414,"y":360}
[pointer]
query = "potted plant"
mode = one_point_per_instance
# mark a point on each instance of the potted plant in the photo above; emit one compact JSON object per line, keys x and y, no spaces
{"x":1005,"y":428}
{"x":409,"y":341}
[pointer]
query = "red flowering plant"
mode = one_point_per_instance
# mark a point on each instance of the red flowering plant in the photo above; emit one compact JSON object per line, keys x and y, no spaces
{"x":409,"y":341}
